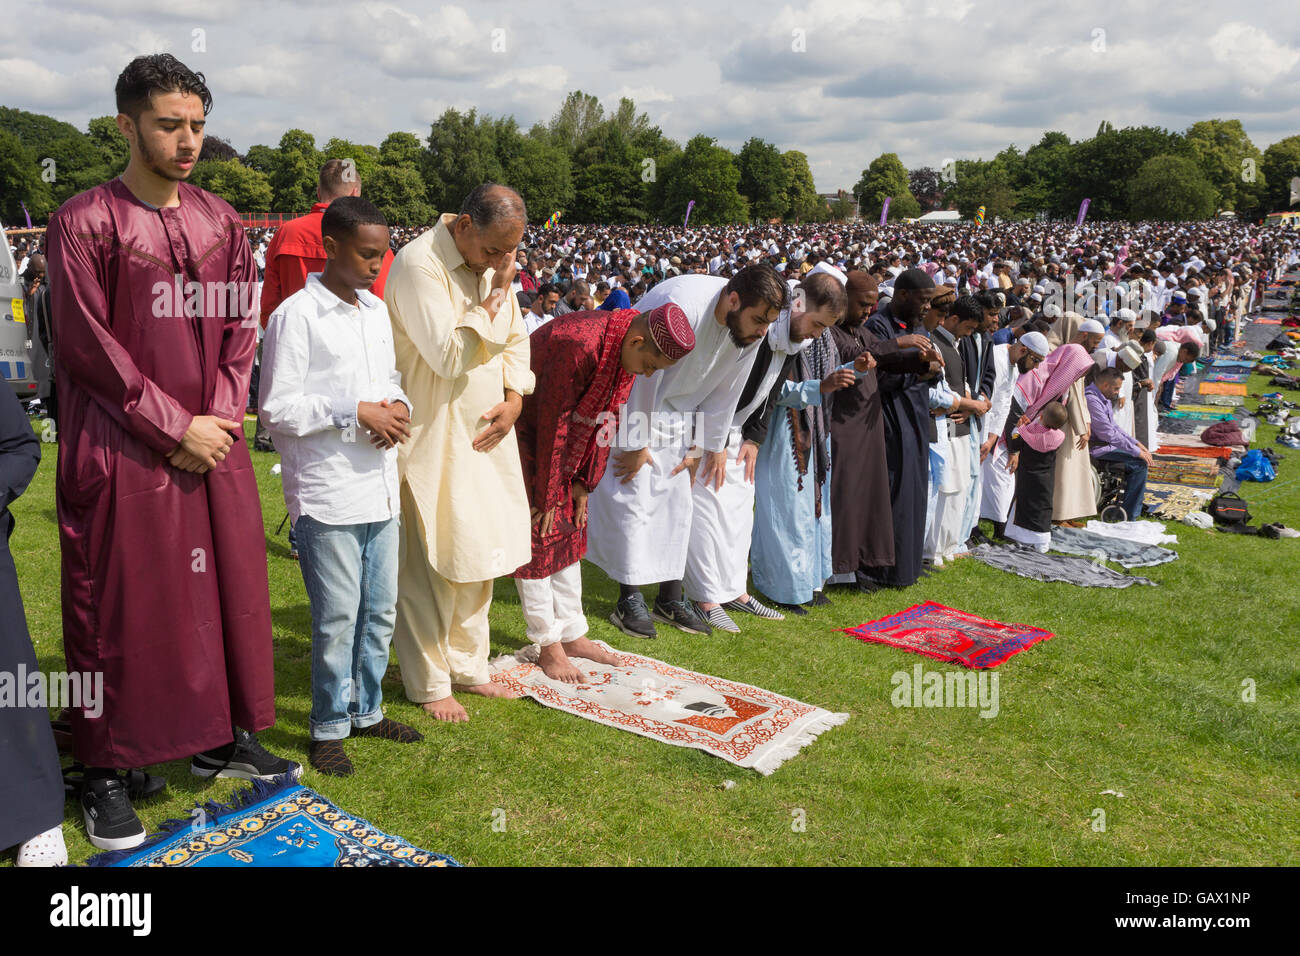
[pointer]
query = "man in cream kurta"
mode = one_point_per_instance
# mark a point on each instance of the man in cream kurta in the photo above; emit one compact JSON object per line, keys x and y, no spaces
{"x":461,"y":347}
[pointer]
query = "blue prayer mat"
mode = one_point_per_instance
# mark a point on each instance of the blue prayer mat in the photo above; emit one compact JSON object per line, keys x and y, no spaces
{"x":272,"y":824}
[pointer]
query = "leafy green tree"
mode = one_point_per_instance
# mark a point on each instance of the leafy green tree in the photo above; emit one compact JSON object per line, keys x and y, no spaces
{"x":803,"y":203}
{"x":577,"y":119}
{"x":1281,"y":164}
{"x":1231,"y":163}
{"x":398,"y":191}
{"x":462,"y":154}
{"x":886,"y":177}
{"x":706,"y":173}
{"x":296,"y":173}
{"x":110,"y":142}
{"x":763,"y":178}
{"x":77,"y":166}
{"x":262,"y":158}
{"x":20,"y":181}
{"x":35,"y":130}
{"x":1042,"y":186}
{"x":1171,"y":188}
{"x":400,"y":149}
{"x":365,"y":159}
{"x":610,"y":187}
{"x":1101,"y":168}
{"x":540,"y":173}
{"x":927,"y":186}
{"x":247,"y":189}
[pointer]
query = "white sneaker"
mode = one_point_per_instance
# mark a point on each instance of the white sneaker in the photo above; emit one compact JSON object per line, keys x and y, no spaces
{"x":44,"y":849}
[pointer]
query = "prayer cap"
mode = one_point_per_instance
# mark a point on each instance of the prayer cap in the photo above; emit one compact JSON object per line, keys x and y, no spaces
{"x":1036,"y":342}
{"x":1130,"y":353}
{"x":829,"y":269}
{"x":912,"y":279}
{"x":1092,"y":326}
{"x":671,"y":330}
{"x":1128,"y":315}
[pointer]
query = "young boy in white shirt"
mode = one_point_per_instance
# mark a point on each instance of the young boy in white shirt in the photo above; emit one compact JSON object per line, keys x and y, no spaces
{"x":331,"y":396}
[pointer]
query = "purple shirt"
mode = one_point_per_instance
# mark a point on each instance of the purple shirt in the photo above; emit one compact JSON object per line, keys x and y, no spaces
{"x":1106,"y":435}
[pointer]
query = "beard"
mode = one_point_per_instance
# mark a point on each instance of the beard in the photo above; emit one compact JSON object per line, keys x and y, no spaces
{"x":154,"y":162}
{"x":733,"y":326}
{"x":1023,"y":362}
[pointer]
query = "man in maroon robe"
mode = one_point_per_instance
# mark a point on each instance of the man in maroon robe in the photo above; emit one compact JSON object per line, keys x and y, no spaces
{"x":584,"y":363}
{"x":164,"y":554}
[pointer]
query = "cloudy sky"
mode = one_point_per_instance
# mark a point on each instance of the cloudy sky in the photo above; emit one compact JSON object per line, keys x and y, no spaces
{"x":841,"y":80}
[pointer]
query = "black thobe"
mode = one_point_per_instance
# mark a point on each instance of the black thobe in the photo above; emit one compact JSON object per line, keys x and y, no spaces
{"x":861,"y":518}
{"x":31,"y":783}
{"x":905,"y":408}
{"x":1035,"y":478}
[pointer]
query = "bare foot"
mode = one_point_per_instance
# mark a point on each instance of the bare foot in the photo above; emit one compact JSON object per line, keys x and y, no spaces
{"x":556,"y":665}
{"x":447,"y":709}
{"x":706,"y":606}
{"x":584,"y":647}
{"x":490,"y":689}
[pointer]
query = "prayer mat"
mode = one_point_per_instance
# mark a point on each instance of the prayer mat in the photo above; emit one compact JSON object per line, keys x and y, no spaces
{"x":1233,"y":363}
{"x":1128,"y":554}
{"x":950,"y":635}
{"x":1195,"y":473}
{"x":1222,"y":388}
{"x":1263,"y":321}
{"x":1183,"y":441}
{"x":1226,"y":377}
{"x":1173,"y":502}
{"x":1032,"y":563}
{"x":744,"y":725}
{"x":1193,"y":407}
{"x":1183,"y":426}
{"x":1207,"y":452}
{"x":273,"y":823}
{"x":1185,"y":412}
{"x":1142,"y":531}
{"x":1228,"y":401}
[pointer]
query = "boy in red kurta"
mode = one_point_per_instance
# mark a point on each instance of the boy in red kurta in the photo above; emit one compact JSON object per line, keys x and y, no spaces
{"x":584,"y":363}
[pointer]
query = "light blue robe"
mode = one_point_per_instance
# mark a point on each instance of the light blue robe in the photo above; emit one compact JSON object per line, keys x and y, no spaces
{"x":790,"y":556}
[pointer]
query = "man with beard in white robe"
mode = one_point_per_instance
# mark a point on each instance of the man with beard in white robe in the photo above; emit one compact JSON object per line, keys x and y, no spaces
{"x":999,"y":485}
{"x":639,"y":516}
{"x":722,"y":520}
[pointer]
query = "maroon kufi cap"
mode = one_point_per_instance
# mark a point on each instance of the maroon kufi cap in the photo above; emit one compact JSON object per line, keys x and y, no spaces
{"x":671,"y":330}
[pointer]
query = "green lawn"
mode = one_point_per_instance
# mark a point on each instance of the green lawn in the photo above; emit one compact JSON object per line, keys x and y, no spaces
{"x":1140,"y":691}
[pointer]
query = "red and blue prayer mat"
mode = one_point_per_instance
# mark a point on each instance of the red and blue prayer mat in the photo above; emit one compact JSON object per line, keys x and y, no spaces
{"x":950,"y":635}
{"x":276,"y":823}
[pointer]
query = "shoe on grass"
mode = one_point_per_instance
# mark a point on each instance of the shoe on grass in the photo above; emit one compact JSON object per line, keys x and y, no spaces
{"x":632,"y":617}
{"x":681,"y":616}
{"x":718,"y":619}
{"x":244,"y":758}
{"x":388,"y":729}
{"x":329,"y":757}
{"x":753,"y":606}
{"x":111,"y":823}
{"x":44,"y":849}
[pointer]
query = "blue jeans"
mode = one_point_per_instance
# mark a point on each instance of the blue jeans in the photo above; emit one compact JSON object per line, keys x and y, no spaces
{"x":1135,"y":479}
{"x":351,"y":576}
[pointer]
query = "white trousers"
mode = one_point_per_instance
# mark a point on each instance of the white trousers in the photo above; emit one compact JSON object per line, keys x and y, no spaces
{"x":553,"y":606}
{"x":722,"y":525}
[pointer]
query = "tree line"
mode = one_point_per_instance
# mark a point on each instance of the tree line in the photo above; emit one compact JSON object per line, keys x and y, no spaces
{"x":617,"y":167}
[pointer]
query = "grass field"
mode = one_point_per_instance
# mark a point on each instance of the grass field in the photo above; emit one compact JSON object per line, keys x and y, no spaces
{"x":1140,"y":692}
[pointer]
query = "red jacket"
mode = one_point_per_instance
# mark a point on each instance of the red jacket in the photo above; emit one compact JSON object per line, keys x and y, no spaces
{"x":295,"y":252}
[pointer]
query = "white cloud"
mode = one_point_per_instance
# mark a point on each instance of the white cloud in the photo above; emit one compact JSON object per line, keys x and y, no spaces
{"x":1252,"y":52}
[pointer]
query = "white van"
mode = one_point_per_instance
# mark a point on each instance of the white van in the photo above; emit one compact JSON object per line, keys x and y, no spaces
{"x":15,"y":332}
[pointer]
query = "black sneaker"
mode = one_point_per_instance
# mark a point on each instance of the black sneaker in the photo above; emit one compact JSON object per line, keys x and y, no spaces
{"x":111,"y":823}
{"x":632,"y":617}
{"x":681,"y":616}
{"x":245,"y":758}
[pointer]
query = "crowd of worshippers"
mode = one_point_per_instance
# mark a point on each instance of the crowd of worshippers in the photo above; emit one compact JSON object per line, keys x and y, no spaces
{"x":844,"y":415}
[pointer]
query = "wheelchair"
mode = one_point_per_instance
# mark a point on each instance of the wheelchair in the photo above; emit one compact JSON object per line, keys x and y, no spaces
{"x":1110,"y":486}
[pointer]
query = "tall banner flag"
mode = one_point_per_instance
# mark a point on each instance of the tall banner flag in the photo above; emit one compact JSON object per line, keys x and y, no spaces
{"x":689,"y":206}
{"x":884,"y":210}
{"x":29,"y":215}
{"x":979,"y":216}
{"x":1083,"y":211}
